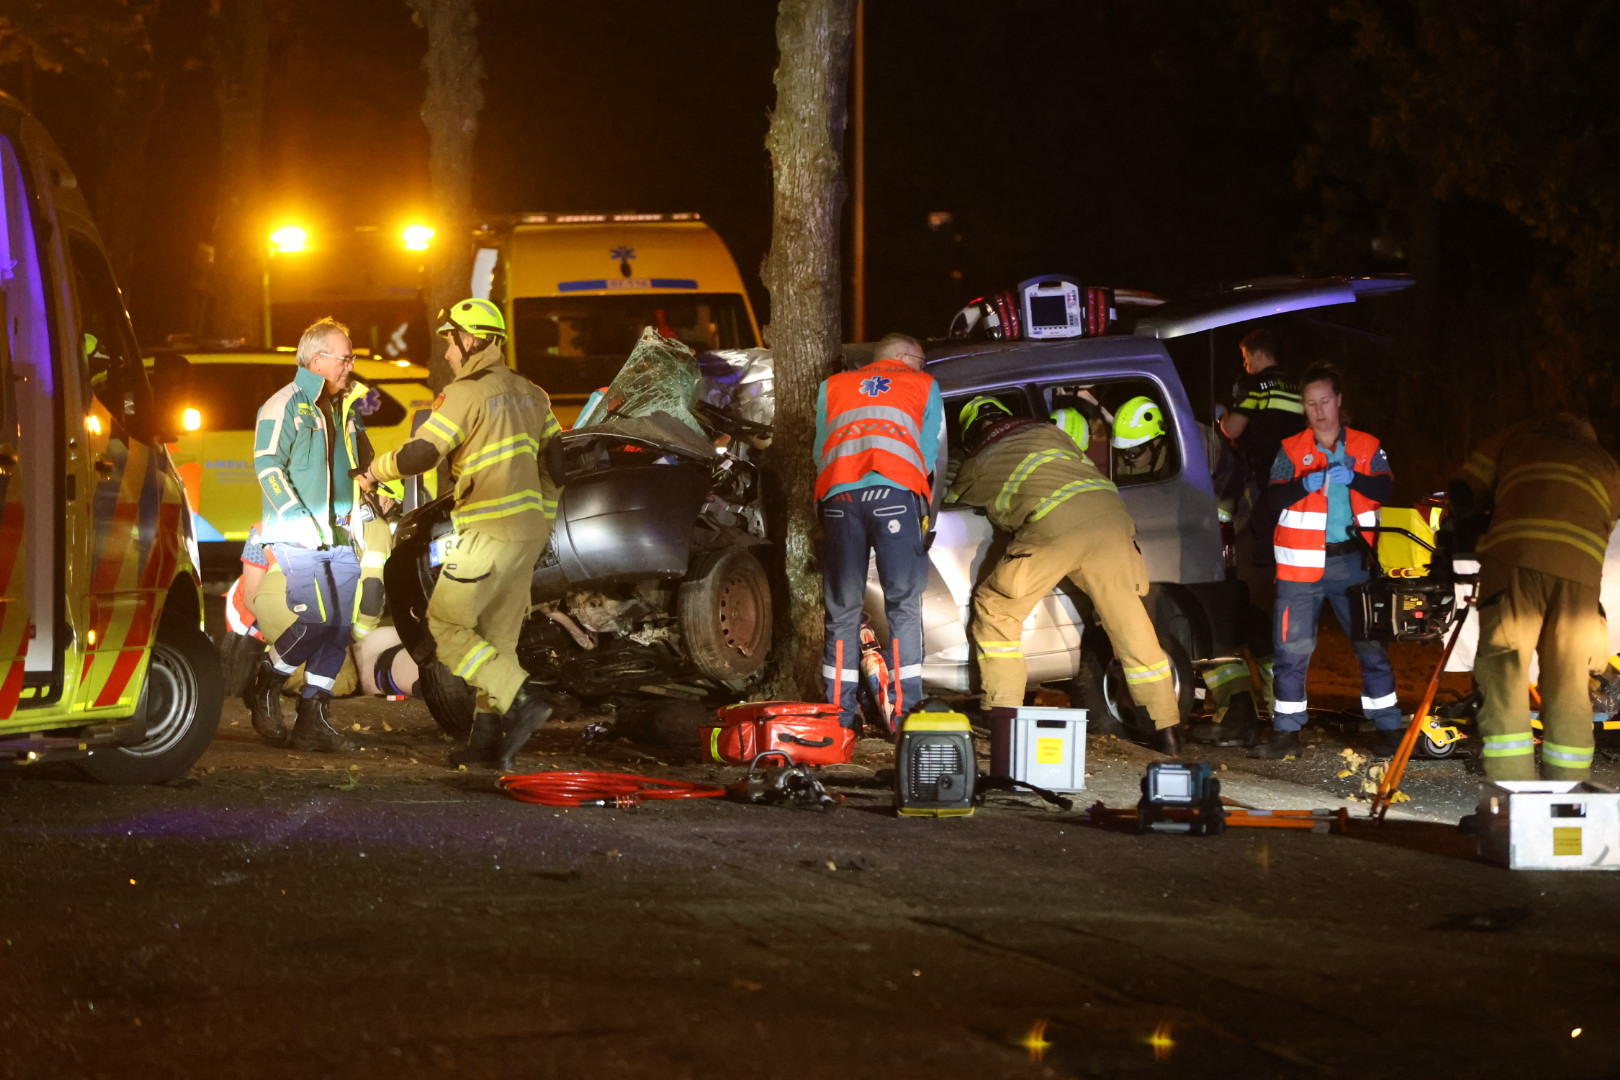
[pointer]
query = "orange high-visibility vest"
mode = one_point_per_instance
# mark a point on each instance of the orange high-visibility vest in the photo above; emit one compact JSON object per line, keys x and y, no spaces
{"x":1300,"y":542}
{"x":874,"y":424}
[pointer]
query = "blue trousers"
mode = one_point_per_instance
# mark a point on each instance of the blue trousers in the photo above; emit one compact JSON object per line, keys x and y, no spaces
{"x":320,"y":592}
{"x":1299,"y":605}
{"x":886,"y":521}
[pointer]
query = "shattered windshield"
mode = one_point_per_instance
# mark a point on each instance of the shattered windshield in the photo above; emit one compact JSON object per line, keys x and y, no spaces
{"x":651,"y":396}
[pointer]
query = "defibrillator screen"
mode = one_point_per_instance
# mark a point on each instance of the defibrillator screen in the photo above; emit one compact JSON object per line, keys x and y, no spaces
{"x":1049,"y":310}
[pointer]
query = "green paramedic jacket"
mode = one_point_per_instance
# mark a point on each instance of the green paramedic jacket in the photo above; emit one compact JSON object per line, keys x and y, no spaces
{"x":1024,"y":470}
{"x":294,"y":468}
{"x":494,"y":426}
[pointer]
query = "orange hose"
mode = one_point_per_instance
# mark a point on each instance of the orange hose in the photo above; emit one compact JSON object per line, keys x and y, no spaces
{"x":600,"y":789}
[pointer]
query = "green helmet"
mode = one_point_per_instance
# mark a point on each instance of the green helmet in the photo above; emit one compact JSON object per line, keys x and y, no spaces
{"x":1072,"y":422}
{"x":974,"y":411}
{"x":480,"y":318}
{"x":1136,"y":422}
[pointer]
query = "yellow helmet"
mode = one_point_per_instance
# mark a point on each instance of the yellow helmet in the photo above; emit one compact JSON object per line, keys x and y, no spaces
{"x":1072,"y":422}
{"x":974,"y":410}
{"x":478,"y":317}
{"x":1137,"y":421}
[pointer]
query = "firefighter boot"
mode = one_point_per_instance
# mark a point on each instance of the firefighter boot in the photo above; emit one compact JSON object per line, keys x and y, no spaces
{"x":527,"y":713}
{"x":1167,"y":741}
{"x":483,"y":742}
{"x":1239,"y":726}
{"x":314,"y":730}
{"x":263,"y":700}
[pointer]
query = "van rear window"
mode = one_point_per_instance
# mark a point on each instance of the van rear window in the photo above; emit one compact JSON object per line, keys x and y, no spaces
{"x":574,"y":344}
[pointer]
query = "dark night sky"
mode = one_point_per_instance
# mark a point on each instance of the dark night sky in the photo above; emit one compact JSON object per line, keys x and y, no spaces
{"x":1128,"y":144}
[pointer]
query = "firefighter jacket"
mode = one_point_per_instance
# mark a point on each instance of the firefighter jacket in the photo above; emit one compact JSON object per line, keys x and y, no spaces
{"x":304,"y":477}
{"x":1023,"y":470}
{"x":1556,"y":496}
{"x":874,"y":420}
{"x":494,"y":426}
{"x":1300,"y":539}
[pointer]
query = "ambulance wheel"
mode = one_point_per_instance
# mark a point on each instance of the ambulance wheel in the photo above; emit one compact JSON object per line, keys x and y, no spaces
{"x":724,"y":609}
{"x":183,"y":695}
{"x":1101,"y":688}
{"x":1439,"y":751}
{"x":449,"y":699}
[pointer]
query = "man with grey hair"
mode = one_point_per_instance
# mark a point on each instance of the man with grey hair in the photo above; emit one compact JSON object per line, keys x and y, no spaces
{"x":309,"y":444}
{"x":880,"y":441}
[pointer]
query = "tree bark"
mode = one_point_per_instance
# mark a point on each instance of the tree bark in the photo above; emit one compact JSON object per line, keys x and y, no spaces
{"x":239,"y":47}
{"x":806,"y":141}
{"x":455,"y":97}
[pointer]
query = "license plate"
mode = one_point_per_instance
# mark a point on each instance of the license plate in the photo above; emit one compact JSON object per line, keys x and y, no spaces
{"x":440,"y":549}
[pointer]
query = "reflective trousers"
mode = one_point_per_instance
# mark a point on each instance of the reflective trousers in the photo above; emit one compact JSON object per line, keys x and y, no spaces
{"x":477,"y":610}
{"x":273,"y":618}
{"x":320,"y":595}
{"x":1299,"y":606}
{"x":857,"y":524}
{"x":1524,"y":613}
{"x":1089,"y":541}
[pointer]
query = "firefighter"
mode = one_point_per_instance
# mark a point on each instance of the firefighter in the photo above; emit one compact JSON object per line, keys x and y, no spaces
{"x":1326,"y":486}
{"x":306,"y":477}
{"x":1552,"y":496}
{"x":1141,"y":450}
{"x":1067,"y":520}
{"x":880,"y":442}
{"x":494,"y":426}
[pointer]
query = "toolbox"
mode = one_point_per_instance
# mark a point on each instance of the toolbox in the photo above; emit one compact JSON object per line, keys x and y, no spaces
{"x":1041,"y":746}
{"x":807,"y":731}
{"x":1549,"y":825}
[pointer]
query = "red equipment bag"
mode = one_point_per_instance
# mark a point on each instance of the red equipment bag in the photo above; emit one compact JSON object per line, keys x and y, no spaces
{"x":807,"y":731}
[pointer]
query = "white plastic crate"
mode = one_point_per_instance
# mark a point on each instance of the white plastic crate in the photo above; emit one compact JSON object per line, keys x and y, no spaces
{"x":1041,"y":746}
{"x":1544,"y":825}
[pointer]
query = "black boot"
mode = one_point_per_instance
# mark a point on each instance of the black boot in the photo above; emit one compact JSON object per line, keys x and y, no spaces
{"x":1283,"y":745}
{"x":1167,"y":741}
{"x":527,"y":713}
{"x":314,"y":730}
{"x":263,"y":700}
{"x":483,"y":742}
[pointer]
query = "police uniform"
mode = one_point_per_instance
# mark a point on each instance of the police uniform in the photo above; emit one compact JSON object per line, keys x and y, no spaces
{"x":880,"y":431}
{"x":1557,"y":496}
{"x":494,"y":426}
{"x":1067,"y":520}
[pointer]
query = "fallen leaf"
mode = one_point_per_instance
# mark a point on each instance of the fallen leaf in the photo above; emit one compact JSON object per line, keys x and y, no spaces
{"x":746,"y":984}
{"x":831,"y":865}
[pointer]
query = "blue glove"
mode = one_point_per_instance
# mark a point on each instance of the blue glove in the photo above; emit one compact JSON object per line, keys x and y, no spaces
{"x":1339,"y":474}
{"x":1314,"y":480}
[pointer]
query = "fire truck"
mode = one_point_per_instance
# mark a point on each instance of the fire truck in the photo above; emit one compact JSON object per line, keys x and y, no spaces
{"x":103,"y":659}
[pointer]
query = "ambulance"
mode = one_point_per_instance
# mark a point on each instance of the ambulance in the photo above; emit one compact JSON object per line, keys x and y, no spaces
{"x":103,"y":659}
{"x":578,"y":290}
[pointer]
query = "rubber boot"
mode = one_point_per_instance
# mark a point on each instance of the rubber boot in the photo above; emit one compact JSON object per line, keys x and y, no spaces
{"x":527,"y":713}
{"x":483,"y":742}
{"x":1241,"y":724}
{"x":314,"y":730}
{"x":1167,"y":741}
{"x":263,"y":700}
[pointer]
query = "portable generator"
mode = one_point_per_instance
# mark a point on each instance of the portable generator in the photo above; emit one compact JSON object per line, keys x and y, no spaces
{"x":935,"y":767}
{"x":1414,"y":598}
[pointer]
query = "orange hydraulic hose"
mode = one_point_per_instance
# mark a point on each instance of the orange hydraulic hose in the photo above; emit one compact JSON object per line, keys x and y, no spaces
{"x":600,"y":789}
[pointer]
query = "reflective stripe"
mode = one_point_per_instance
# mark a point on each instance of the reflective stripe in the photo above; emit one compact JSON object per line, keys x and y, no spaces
{"x":1583,"y":540}
{"x":1016,"y":480}
{"x":1224,"y":673}
{"x":475,"y":660}
{"x":1001,"y":650}
{"x":505,"y":506}
{"x":883,"y":413}
{"x":373,"y":560}
{"x":1555,"y":472}
{"x":830,"y":672}
{"x":1301,"y":556}
{"x":877,"y":441}
{"x":1288,"y":707}
{"x":1575,"y":755}
{"x":1385,"y":702}
{"x":910,"y":671}
{"x":320,"y":682}
{"x":442,"y":426}
{"x":1068,"y":491}
{"x":499,"y":451}
{"x":1509,"y":745}
{"x":1148,"y":673}
{"x":1367,"y":519}
{"x":1302,"y":519}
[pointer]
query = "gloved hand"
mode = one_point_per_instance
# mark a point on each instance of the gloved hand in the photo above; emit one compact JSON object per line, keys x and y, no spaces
{"x":1339,"y":474}
{"x":1314,"y":480}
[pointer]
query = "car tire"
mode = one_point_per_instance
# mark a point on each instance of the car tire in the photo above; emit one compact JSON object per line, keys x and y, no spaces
{"x":449,"y":698}
{"x":184,"y":693}
{"x":239,"y":657}
{"x":1100,"y":686}
{"x":724,"y":612}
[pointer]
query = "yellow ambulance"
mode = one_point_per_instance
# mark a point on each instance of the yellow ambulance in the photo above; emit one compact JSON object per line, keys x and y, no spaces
{"x":578,"y":289}
{"x":103,"y":660}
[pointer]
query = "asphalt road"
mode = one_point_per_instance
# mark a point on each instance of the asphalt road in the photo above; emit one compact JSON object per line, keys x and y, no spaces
{"x":374,"y":914}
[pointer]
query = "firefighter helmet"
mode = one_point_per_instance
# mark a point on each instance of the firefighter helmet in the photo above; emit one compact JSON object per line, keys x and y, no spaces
{"x":975,"y":410}
{"x":478,"y":317}
{"x":1072,"y":422}
{"x":1139,"y":420}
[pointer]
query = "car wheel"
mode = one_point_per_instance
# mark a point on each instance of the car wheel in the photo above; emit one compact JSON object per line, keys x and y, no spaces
{"x":449,"y":698}
{"x":724,"y":609}
{"x":1101,"y":688}
{"x":239,"y":658}
{"x":183,"y":694}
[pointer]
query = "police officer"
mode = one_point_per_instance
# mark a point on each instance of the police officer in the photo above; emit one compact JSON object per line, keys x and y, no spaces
{"x":309,"y":441}
{"x":1555,"y":495}
{"x":880,"y":441}
{"x":1326,"y":485}
{"x":1067,"y":520}
{"x":494,"y":426}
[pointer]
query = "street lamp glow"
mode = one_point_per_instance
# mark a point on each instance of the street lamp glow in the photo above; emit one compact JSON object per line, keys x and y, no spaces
{"x":288,"y":239}
{"x":417,"y":237}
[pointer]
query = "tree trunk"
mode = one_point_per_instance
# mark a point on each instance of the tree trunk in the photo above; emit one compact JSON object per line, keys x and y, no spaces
{"x":455,"y":96}
{"x":238,"y":46}
{"x":806,"y":141}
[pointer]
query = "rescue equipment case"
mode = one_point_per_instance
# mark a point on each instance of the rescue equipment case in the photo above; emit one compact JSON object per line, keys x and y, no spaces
{"x":808,"y":731}
{"x":1041,"y":746}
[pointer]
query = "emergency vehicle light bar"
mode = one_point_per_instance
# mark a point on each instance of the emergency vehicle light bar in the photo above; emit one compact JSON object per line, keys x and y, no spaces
{"x":596,"y":219}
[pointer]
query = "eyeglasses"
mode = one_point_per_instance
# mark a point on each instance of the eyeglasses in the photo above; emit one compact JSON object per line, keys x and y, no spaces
{"x":348,"y":359}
